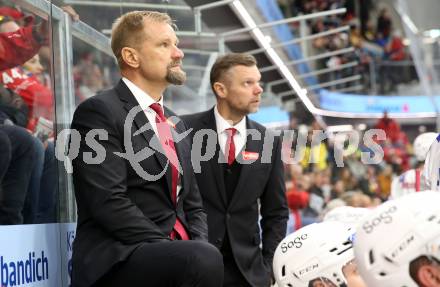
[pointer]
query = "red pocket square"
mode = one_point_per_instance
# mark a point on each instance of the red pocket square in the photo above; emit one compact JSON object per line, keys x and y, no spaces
{"x":248,"y":155}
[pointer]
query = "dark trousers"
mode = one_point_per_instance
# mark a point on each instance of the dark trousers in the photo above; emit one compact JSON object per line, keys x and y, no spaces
{"x":46,"y":187}
{"x":232,"y":276}
{"x":168,"y":264}
{"x":33,"y":194}
{"x":16,"y":179}
{"x":5,"y":154}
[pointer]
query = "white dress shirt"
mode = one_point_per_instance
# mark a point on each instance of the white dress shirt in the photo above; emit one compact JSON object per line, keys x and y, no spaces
{"x":145,"y":101}
{"x":239,"y":137}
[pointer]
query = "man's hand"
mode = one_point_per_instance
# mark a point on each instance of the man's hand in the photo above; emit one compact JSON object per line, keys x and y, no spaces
{"x":69,"y":10}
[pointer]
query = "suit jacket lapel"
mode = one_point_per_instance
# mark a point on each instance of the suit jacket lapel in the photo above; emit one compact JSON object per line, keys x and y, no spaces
{"x":141,"y":120}
{"x":216,"y":169}
{"x":255,"y":146}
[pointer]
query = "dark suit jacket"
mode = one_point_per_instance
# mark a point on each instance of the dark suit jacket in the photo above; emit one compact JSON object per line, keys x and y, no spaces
{"x":263,"y":182}
{"x":118,"y":210}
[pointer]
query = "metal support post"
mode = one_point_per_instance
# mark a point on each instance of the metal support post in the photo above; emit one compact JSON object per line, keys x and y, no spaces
{"x":311,"y":58}
{"x":298,"y":40}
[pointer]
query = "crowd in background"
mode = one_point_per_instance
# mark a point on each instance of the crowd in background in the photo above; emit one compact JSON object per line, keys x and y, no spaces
{"x":317,"y":182}
{"x":379,"y":46}
{"x":28,"y":169}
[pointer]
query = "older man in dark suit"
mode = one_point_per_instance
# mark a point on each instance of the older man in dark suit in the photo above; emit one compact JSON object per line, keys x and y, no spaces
{"x":140,"y":216}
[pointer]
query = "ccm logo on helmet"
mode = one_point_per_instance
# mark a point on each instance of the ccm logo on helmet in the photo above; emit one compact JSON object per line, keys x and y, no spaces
{"x":384,"y":217}
{"x":295,"y":243}
{"x":308,"y":269}
{"x":403,"y":245}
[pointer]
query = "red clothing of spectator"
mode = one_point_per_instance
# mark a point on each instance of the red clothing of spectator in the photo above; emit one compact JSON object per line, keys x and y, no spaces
{"x":296,"y":200}
{"x":391,"y":128}
{"x":11,"y":12}
{"x":37,"y":96}
{"x":17,"y":47}
{"x":396,"y":49}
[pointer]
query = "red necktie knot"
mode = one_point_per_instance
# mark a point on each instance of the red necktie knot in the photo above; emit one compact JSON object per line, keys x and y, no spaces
{"x":158,"y":109}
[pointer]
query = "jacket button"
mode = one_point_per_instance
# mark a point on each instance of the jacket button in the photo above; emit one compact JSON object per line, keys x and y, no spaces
{"x":218,"y":241}
{"x":228,"y":216}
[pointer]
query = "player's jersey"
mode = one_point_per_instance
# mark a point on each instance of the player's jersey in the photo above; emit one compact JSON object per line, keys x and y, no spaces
{"x":408,"y":182}
{"x":431,"y":172}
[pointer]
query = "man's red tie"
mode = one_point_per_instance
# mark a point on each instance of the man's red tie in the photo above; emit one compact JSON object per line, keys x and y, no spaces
{"x":166,"y":139}
{"x":230,"y":145}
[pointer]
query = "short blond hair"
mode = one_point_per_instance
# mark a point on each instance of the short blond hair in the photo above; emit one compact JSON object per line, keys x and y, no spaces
{"x":127,"y":30}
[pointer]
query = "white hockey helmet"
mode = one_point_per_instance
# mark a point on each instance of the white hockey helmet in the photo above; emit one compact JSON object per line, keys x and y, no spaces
{"x":348,"y":215}
{"x":316,"y":252}
{"x":391,"y":236}
{"x":422,"y":143}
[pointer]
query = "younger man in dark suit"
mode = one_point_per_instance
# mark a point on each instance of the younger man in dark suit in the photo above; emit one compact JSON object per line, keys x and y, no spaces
{"x":238,"y":185}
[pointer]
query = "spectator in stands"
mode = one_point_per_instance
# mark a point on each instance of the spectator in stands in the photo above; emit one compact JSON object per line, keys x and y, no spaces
{"x":390,"y":126}
{"x":372,"y":181}
{"x":338,"y":189}
{"x":89,"y":78}
{"x":13,"y":107}
{"x":384,"y":23}
{"x":384,"y":179}
{"x":391,"y":74}
{"x":20,"y":44}
{"x":316,"y":199}
{"x":350,"y":182}
{"x":315,"y":153}
{"x":356,"y":199}
{"x":17,"y":155}
{"x":37,"y":96}
{"x":33,"y":66}
{"x":39,"y":205}
{"x":395,"y":49}
{"x":297,"y":197}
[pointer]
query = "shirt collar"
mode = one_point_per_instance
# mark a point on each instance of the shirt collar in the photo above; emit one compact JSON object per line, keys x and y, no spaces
{"x":144,"y":99}
{"x":223,"y":124}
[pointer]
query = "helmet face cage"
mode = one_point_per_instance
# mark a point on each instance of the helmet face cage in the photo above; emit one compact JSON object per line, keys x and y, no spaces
{"x":394,"y":235}
{"x":314,"y":256}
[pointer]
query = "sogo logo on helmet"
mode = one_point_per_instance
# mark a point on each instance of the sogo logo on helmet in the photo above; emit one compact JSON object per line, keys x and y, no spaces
{"x":384,"y":217}
{"x":295,"y":243}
